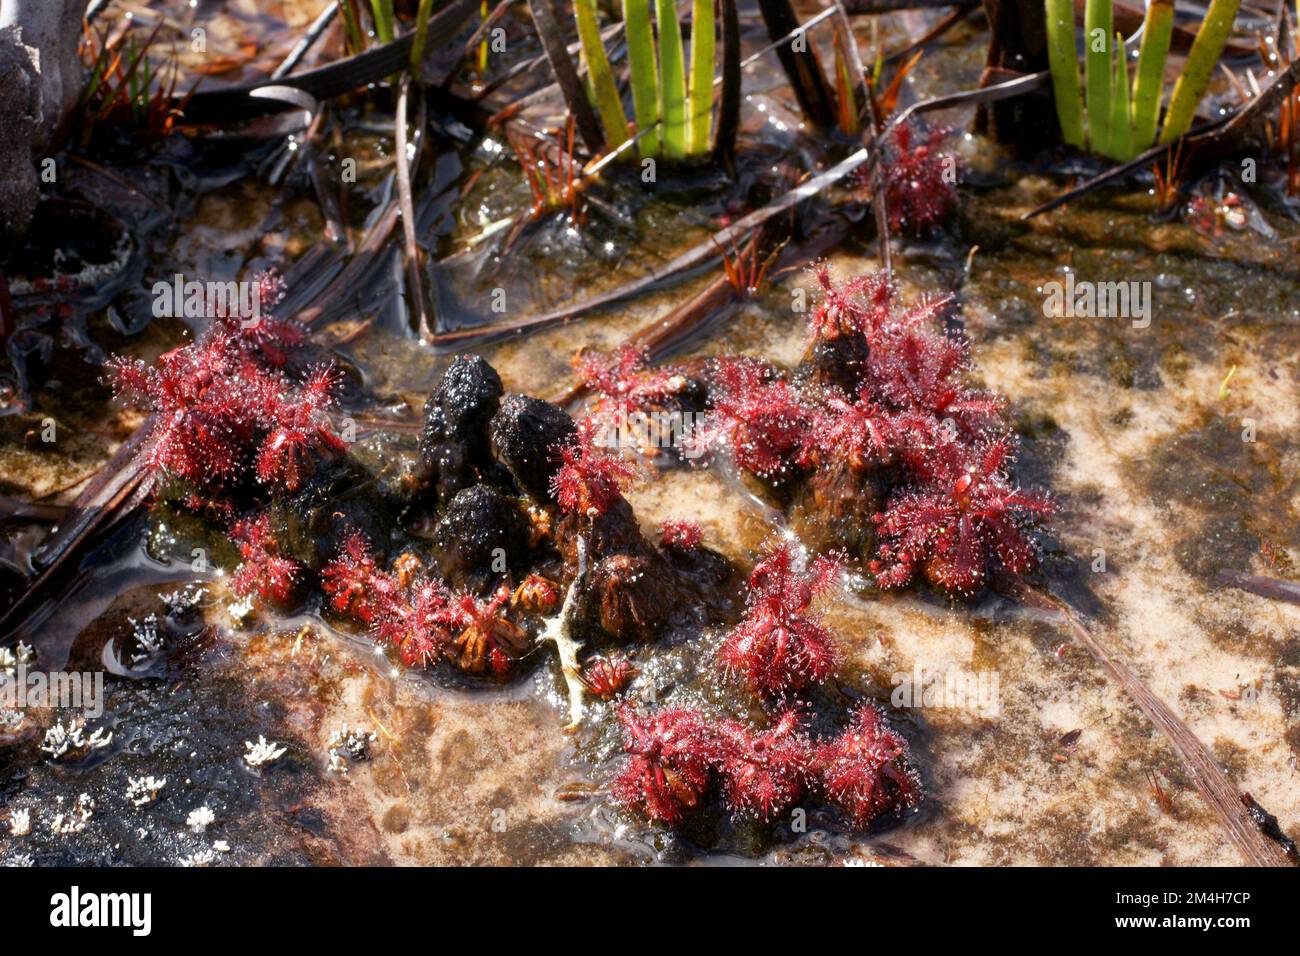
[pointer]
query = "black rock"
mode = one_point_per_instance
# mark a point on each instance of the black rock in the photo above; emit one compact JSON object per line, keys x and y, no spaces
{"x":525,"y":433}
{"x":463,"y":404}
{"x":482,"y":535}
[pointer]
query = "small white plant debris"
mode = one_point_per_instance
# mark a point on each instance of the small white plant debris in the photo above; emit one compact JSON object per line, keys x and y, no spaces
{"x":183,"y":600}
{"x":147,"y":639}
{"x":142,"y":790}
{"x":20,"y":822}
{"x":240,"y":610}
{"x":10,"y":659}
{"x":199,"y":858}
{"x":62,"y":739}
{"x":858,"y":861}
{"x":262,"y":752}
{"x":10,"y":718}
{"x":349,"y":745}
{"x":221,"y":846}
{"x":74,"y":822}
{"x":200,"y":819}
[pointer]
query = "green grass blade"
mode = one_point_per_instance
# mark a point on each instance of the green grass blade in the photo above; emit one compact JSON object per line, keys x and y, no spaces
{"x":672,"y":79}
{"x":1064,"y":62}
{"x":600,"y":78}
{"x":421,"y":32}
{"x":383,"y":11}
{"x":701,"y":94}
{"x":1198,"y":69}
{"x":1098,"y":28}
{"x":1151,"y":72}
{"x":352,"y":25}
{"x":1121,"y":122}
{"x":644,"y":69}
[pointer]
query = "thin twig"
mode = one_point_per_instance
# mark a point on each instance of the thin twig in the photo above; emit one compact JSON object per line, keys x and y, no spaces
{"x":404,"y":164}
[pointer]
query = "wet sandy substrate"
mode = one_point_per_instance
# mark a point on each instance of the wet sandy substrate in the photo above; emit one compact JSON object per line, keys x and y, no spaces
{"x":1128,"y":428}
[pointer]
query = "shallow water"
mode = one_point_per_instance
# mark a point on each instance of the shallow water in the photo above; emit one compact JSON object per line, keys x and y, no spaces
{"x":1138,"y":432}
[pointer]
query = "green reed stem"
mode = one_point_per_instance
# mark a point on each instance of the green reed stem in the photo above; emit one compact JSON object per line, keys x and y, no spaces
{"x":701,"y":94}
{"x":1151,"y":72}
{"x":421,"y":32}
{"x":1064,"y":62}
{"x":1121,"y":122}
{"x":672,"y":76}
{"x":600,"y":77}
{"x":644,"y":69}
{"x":1198,"y":69}
{"x":1098,"y":28}
{"x":383,"y":11}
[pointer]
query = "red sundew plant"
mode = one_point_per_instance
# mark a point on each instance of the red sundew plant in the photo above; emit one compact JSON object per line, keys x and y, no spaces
{"x":209,"y":400}
{"x":605,"y":677}
{"x":623,"y":380}
{"x":266,"y":334}
{"x":349,"y":581}
{"x":409,"y":618}
{"x":856,"y":306}
{"x":483,"y":637}
{"x":591,"y":479}
{"x":670,"y":754}
{"x":912,"y":368}
{"x":780,"y":646}
{"x":920,"y":182}
{"x":537,"y":594}
{"x":865,"y":771}
{"x":264,"y":571}
{"x":951,"y":528}
{"x":423,"y":638}
{"x":302,"y":432}
{"x":861,"y":433}
{"x":679,"y":534}
{"x":221,"y":414}
{"x":765,"y":772}
{"x":759,"y":417}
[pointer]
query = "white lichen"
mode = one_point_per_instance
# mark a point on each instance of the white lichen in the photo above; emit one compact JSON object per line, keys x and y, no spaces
{"x":20,"y":822}
{"x":10,"y":659}
{"x":148,"y":641}
{"x":200,"y":819}
{"x":183,"y":600}
{"x":349,"y":745}
{"x":74,"y":822}
{"x":199,"y":858}
{"x":240,"y":610}
{"x":142,"y":790}
{"x":62,"y":739}
{"x":262,"y":752}
{"x":221,"y":846}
